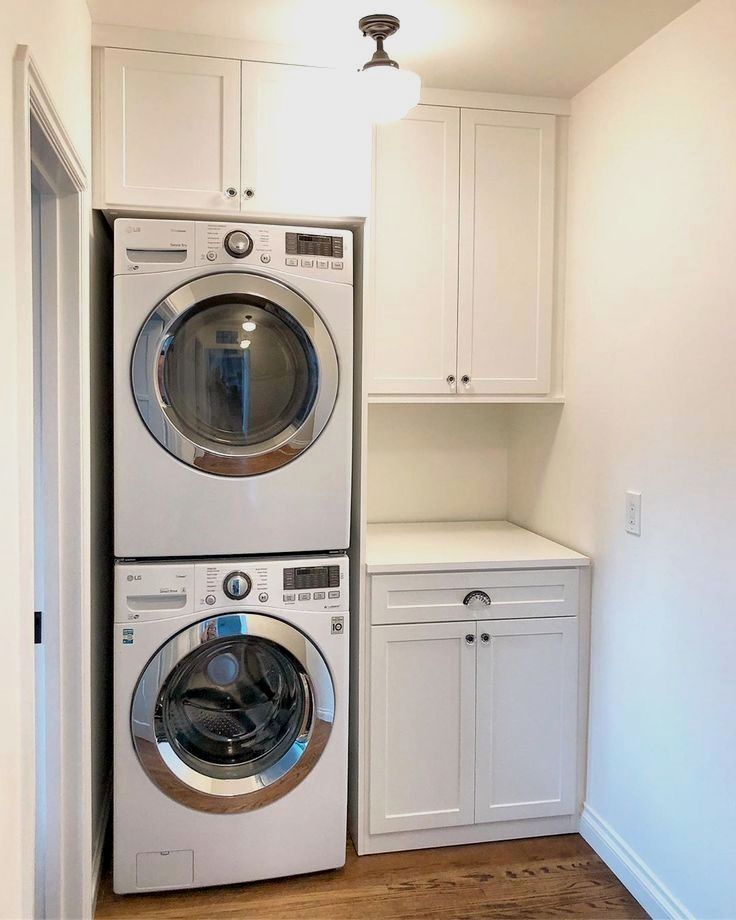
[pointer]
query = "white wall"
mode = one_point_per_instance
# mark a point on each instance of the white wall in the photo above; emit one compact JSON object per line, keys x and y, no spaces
{"x":58,"y":33}
{"x":651,"y":389}
{"x":437,"y":462}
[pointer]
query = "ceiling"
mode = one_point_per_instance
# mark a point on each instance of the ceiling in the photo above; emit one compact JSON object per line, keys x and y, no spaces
{"x":531,"y":47}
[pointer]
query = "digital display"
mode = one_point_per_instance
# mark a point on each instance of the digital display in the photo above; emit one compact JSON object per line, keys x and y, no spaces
{"x":306,"y":578}
{"x":313,"y":244}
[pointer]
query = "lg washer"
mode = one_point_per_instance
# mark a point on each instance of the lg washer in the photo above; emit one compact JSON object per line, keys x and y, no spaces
{"x":230,"y":720}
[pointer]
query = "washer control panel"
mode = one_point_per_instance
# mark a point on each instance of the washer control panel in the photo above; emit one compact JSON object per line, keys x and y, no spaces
{"x":157,"y":590}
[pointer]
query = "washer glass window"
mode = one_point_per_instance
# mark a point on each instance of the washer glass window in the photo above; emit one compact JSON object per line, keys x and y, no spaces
{"x":234,"y":707}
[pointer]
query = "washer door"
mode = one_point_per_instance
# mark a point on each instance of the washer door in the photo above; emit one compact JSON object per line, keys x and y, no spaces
{"x":233,"y":712}
{"x":235,"y":374}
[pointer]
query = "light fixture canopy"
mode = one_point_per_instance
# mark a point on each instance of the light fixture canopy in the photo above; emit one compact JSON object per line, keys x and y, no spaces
{"x":388,"y":92}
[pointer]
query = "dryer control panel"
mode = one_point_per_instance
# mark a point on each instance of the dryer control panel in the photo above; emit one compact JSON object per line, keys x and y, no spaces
{"x":154,"y":590}
{"x":146,"y":245}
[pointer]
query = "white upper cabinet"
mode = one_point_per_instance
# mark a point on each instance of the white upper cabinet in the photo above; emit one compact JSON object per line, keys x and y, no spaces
{"x":506,"y":252}
{"x":212,"y":135}
{"x":171,"y":131}
{"x":526,"y":742}
{"x":304,"y":148}
{"x":462,"y":268}
{"x":413,"y":320}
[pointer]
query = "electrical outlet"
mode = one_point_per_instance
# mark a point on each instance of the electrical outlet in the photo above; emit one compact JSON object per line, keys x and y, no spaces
{"x":633,"y":513}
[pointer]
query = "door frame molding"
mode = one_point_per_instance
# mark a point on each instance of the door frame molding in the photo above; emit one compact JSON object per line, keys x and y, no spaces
{"x":69,"y":884}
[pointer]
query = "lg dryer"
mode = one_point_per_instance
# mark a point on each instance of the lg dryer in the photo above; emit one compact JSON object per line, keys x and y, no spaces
{"x":233,"y":379}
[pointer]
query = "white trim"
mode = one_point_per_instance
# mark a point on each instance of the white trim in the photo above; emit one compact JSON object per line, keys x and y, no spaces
{"x":99,"y":843}
{"x":72,"y":711}
{"x":501,"y":102}
{"x":113,"y":36}
{"x":457,"y":398}
{"x":648,"y":889}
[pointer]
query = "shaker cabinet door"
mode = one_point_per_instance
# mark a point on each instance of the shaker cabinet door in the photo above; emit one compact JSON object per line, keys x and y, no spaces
{"x":171,"y":131}
{"x":305,"y":149}
{"x":422,"y":714}
{"x":412,"y":315}
{"x":526,"y":718}
{"x":507,"y":170}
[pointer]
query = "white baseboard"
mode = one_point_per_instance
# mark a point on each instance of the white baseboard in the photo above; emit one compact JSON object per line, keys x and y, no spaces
{"x":99,"y":844}
{"x":632,"y":871}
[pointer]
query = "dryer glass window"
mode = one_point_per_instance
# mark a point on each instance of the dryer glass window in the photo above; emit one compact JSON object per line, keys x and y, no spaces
{"x":235,"y":707}
{"x":239,"y":374}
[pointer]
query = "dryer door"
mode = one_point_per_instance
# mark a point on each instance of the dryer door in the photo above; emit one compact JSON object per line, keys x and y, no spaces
{"x":235,"y":374}
{"x":233,"y":712}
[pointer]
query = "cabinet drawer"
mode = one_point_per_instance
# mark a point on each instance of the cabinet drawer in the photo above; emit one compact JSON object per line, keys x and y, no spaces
{"x":438,"y":597}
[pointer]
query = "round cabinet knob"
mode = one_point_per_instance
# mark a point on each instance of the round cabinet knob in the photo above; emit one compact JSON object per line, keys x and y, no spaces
{"x":485,"y":637}
{"x":237,"y":585}
{"x":477,"y":599}
{"x":231,"y":192}
{"x":451,"y":379}
{"x":470,"y":639}
{"x":249,"y":193}
{"x":238,"y":244}
{"x":465,"y":380}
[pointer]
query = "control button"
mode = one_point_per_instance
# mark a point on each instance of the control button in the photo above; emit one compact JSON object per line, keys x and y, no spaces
{"x":333,"y":594}
{"x":292,"y":261}
{"x":319,"y":595}
{"x":337,"y":265}
{"x":210,"y":599}
{"x":305,"y":597}
{"x":323,"y":263}
{"x":263,"y":597}
{"x":237,"y":585}
{"x":289,"y":598}
{"x":211,"y":255}
{"x":265,"y":258}
{"x":238,"y":244}
{"x":307,"y":263}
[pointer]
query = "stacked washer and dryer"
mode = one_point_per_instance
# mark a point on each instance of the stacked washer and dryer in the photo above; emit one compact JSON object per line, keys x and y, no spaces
{"x":233,"y":434}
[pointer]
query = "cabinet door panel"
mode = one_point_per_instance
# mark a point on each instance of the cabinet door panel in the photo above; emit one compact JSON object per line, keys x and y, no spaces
{"x":305,"y":149}
{"x":171,"y":130}
{"x":506,"y":251}
{"x":413,"y":282}
{"x":526,"y":719}
{"x":422,"y":712}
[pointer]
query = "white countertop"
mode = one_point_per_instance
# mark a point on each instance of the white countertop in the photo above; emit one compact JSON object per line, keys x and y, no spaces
{"x":462,"y":546}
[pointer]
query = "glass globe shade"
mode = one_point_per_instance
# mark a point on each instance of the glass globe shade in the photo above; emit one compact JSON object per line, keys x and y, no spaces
{"x":388,"y":92}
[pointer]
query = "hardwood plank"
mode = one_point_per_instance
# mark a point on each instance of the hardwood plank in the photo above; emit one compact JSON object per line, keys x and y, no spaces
{"x":542,"y":878}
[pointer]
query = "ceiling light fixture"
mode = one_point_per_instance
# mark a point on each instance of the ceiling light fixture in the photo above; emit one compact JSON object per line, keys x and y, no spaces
{"x":388,"y":92}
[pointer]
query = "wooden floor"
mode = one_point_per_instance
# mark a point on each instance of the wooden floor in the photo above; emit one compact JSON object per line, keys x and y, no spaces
{"x":549,"y":877}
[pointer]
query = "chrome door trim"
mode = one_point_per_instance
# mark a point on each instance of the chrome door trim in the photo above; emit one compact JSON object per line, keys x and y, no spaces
{"x":218,"y":795}
{"x":162,"y":420}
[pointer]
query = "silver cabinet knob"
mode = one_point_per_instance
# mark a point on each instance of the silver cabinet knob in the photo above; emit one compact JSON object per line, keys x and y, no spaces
{"x":465,"y":379}
{"x":470,"y":639}
{"x":451,"y":379}
{"x":249,"y":193}
{"x":231,"y":192}
{"x":485,"y":638}
{"x":477,"y":599}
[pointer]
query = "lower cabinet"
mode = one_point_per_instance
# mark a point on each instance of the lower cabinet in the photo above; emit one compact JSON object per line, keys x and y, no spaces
{"x":472,"y":722}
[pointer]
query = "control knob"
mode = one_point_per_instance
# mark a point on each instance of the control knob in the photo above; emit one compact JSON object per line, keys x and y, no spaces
{"x":237,"y":585}
{"x":238,"y":244}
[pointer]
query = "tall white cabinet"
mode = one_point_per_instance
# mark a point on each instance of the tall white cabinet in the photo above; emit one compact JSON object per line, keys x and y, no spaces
{"x":412,"y":323}
{"x":462,"y":264}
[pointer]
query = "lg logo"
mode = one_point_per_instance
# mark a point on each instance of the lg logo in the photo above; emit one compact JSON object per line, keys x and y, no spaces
{"x":134,"y":577}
